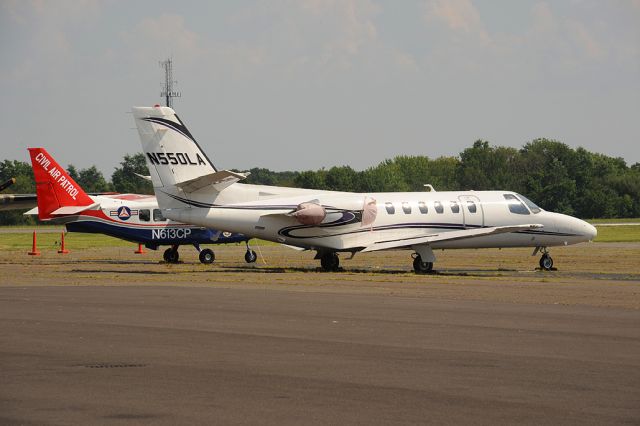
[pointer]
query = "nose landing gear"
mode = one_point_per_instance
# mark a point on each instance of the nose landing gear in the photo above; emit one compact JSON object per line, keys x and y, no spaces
{"x":546,"y":261}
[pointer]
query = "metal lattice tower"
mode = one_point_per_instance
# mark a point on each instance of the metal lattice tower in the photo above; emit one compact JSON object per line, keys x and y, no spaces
{"x":168,"y":91}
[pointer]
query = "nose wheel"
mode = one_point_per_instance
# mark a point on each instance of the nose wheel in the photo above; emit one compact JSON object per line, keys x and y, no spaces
{"x":546,"y":262}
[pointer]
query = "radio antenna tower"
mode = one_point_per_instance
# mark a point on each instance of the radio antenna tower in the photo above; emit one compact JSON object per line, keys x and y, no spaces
{"x":168,"y":91}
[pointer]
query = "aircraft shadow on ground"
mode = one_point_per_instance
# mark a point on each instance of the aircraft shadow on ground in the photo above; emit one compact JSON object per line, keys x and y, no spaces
{"x":485,"y":273}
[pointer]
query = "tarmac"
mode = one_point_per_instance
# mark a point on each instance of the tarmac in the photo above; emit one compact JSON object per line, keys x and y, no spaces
{"x":132,"y":353}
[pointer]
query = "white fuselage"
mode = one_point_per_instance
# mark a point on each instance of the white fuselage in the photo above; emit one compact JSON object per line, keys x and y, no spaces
{"x":258,"y":211}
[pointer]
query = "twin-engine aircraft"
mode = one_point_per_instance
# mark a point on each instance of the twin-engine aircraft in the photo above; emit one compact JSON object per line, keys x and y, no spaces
{"x":131,"y":217}
{"x":190,"y":189}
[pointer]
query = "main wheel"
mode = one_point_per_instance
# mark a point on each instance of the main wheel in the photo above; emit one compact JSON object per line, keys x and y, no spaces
{"x":421,"y":267}
{"x":250,"y":256}
{"x":546,"y":262}
{"x":171,"y":256}
{"x":330,"y":261}
{"x":207,"y":256}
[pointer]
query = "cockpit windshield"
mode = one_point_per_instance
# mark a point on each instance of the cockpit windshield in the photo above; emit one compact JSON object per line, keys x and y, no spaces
{"x":532,"y":206}
{"x":515,"y":205}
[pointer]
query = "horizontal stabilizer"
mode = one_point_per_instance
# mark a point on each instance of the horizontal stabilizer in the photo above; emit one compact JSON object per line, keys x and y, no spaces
{"x":68,"y":210}
{"x":145,"y":177}
{"x":448,"y":236}
{"x":32,"y":212}
{"x":220,"y":180}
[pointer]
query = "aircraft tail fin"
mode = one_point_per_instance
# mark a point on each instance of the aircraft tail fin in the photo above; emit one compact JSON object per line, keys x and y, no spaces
{"x":57,"y":192}
{"x":182,"y":174}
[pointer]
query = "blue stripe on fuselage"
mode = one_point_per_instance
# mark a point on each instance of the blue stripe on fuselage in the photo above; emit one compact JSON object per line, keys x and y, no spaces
{"x":159,"y":236}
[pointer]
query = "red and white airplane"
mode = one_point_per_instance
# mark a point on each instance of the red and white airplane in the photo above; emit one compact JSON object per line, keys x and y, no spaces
{"x":190,"y":189}
{"x":131,"y":217}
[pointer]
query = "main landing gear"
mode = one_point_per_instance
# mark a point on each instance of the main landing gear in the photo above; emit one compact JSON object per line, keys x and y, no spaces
{"x":421,"y":267}
{"x":206,"y":256}
{"x":171,"y":254}
{"x":546,"y":262}
{"x":330,"y":261}
{"x":250,"y":256}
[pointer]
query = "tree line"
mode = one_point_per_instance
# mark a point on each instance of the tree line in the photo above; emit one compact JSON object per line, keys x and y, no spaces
{"x":554,"y":175}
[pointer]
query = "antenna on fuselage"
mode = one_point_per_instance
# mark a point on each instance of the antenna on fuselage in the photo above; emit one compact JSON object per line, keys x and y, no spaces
{"x":168,"y":91}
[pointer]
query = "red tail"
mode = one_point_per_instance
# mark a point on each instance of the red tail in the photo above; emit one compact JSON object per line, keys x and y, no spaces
{"x":54,"y":187}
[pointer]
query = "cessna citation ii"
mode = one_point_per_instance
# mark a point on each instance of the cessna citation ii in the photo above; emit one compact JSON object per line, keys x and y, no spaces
{"x":190,"y":189}
{"x":131,"y":217}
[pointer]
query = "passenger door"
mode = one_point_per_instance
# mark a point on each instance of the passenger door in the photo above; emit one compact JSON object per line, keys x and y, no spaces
{"x":472,"y":212}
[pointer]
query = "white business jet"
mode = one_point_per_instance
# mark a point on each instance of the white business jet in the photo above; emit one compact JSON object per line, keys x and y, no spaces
{"x":190,"y":189}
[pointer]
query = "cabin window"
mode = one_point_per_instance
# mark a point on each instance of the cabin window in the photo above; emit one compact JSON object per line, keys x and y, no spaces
{"x":423,"y":207}
{"x":532,"y":206}
{"x":471,"y":206}
{"x":157,"y":216}
{"x":455,"y":207}
{"x":144,"y":215}
{"x":438,"y":206}
{"x":515,"y":205}
{"x":406,"y":208}
{"x":390,"y":208}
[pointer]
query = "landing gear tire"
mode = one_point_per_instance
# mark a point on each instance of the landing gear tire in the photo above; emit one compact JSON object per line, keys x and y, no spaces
{"x":207,"y":256}
{"x":330,"y":261}
{"x":250,"y":256}
{"x":421,"y":267}
{"x":546,"y":262}
{"x":171,"y":255}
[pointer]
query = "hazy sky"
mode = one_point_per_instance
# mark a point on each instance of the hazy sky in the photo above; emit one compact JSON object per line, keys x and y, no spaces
{"x":295,"y":85}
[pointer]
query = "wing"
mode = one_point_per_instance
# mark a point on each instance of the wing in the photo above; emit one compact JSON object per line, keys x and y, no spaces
{"x":17,"y":201}
{"x":447,"y":236}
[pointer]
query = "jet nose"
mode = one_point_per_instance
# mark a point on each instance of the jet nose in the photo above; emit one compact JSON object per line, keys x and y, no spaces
{"x":591,"y":231}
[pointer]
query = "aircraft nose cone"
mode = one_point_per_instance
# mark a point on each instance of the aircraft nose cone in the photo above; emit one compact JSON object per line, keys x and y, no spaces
{"x":591,"y":231}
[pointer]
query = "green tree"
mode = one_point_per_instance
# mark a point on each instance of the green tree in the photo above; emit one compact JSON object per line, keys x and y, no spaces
{"x":261,"y":176}
{"x":73,"y":173}
{"x":125,"y":180}
{"x":420,"y":170}
{"x":91,"y":180}
{"x":311,"y":179}
{"x":550,"y":174}
{"x":485,"y":167}
{"x":341,"y":179}
{"x":385,"y":177}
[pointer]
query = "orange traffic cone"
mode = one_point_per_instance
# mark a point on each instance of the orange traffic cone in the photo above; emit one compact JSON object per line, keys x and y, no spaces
{"x":140,"y":250}
{"x":34,"y":249}
{"x":62,"y":249}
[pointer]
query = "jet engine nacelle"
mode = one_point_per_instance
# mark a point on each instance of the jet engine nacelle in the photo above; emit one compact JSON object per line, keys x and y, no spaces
{"x":313,"y":213}
{"x":309,"y":213}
